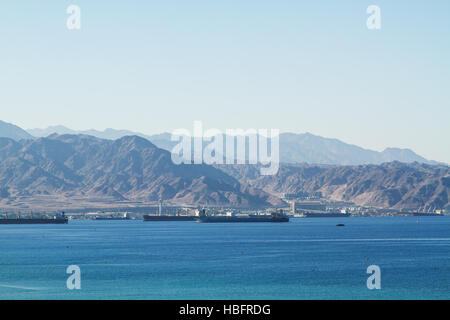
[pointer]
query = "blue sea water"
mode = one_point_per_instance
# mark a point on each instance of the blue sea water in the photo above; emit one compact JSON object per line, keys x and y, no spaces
{"x":303,"y":259}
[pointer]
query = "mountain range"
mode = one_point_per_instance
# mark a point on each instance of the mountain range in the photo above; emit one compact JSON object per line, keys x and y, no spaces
{"x":294,"y":148}
{"x":63,"y":168}
{"x":389,"y":185}
{"x":79,"y":171}
{"x":84,"y":171}
{"x":8,"y":130}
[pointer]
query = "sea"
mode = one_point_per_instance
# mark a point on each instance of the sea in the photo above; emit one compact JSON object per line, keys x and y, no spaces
{"x":307,"y":258}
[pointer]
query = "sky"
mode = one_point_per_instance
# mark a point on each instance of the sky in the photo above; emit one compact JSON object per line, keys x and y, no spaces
{"x":296,"y":66}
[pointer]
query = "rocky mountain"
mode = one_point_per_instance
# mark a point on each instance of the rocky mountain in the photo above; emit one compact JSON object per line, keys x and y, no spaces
{"x":83,"y":171}
{"x":294,"y":148}
{"x":394,"y":184}
{"x":11,"y":131}
{"x":96,"y":170}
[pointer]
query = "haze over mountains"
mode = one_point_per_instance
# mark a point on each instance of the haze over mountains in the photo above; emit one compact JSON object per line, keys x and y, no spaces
{"x":79,"y":170}
{"x":110,"y":134}
{"x":8,"y":130}
{"x":74,"y":171}
{"x":294,"y":148}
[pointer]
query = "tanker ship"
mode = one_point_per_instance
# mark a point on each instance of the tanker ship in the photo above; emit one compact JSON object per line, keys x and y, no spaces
{"x":59,"y":219}
{"x":156,"y":218}
{"x":325,"y":214}
{"x":124,"y":217}
{"x":277,"y":216}
{"x":166,"y":217}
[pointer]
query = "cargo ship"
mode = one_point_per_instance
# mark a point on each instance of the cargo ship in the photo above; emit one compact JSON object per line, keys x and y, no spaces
{"x":277,"y":216}
{"x":166,"y":217}
{"x":156,"y":218}
{"x":124,"y":217}
{"x":60,"y":219}
{"x":326,"y":215}
{"x":422,"y":214}
{"x":323,"y":214}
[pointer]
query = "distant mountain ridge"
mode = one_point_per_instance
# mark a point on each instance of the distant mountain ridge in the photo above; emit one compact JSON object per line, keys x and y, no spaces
{"x":294,"y":148}
{"x":8,"y":130}
{"x":309,"y":148}
{"x":109,"y":134}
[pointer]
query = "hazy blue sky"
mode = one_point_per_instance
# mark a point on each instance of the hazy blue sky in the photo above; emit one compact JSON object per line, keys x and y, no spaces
{"x":154,"y":66}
